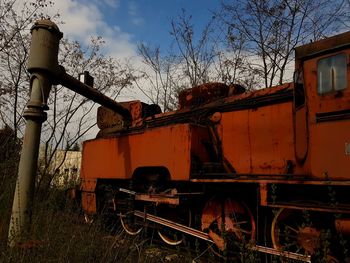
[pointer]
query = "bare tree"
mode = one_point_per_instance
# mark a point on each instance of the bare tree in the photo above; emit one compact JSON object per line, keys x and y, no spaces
{"x":16,"y":17}
{"x":233,"y":64}
{"x":189,"y":62}
{"x":71,"y":116}
{"x":195,"y":54}
{"x":158,"y":78}
{"x":273,"y":28}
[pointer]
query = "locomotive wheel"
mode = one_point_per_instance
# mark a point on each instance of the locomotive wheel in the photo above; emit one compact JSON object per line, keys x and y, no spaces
{"x":293,"y":231}
{"x":130,"y":224}
{"x":290,"y":232}
{"x":89,"y":219}
{"x":229,"y":223}
{"x":180,"y":215}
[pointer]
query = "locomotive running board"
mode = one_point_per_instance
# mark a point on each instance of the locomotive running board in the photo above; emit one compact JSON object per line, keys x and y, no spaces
{"x":205,"y":236}
{"x":156,"y":198}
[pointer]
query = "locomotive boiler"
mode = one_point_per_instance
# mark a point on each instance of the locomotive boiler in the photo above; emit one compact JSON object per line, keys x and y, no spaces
{"x":269,"y":168}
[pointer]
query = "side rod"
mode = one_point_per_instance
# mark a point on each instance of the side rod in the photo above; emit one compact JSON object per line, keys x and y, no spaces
{"x":205,"y":236}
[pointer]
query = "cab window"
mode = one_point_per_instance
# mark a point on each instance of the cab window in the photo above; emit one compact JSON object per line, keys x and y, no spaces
{"x":331,"y":74}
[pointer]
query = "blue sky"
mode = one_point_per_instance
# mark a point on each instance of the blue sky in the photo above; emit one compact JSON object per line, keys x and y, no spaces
{"x":149,"y":20}
{"x":125,"y":23}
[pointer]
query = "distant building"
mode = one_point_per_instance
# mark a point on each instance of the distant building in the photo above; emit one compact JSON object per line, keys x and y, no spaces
{"x":65,"y":166}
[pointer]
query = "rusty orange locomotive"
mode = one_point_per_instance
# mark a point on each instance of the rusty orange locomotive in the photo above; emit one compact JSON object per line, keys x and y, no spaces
{"x":270,"y":166}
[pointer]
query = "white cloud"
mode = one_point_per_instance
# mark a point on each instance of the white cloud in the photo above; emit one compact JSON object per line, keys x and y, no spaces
{"x":112,"y":3}
{"x":85,"y":19}
{"x":134,"y":14}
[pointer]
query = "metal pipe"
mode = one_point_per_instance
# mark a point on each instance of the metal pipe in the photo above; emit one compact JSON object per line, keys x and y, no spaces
{"x":93,"y":94}
{"x":23,"y":197}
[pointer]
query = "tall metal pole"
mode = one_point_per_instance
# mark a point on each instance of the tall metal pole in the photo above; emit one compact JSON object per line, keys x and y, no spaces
{"x":42,"y":65}
{"x":45,"y":71}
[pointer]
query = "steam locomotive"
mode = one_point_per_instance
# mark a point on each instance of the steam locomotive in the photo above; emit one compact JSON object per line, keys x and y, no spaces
{"x":269,"y":168}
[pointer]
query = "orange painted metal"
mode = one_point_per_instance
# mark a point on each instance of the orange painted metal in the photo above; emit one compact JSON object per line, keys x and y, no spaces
{"x":326,"y":157}
{"x":256,"y":137}
{"x":343,"y":226}
{"x":263,"y":194}
{"x":88,"y":201}
{"x":118,"y":157}
{"x":259,"y":141}
{"x":301,"y":134}
{"x":88,"y":185}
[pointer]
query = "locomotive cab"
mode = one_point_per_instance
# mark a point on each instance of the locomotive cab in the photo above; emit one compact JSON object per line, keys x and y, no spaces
{"x":322,"y":108}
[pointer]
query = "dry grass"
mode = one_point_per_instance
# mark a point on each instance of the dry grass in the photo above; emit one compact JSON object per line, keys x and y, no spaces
{"x":59,"y":234}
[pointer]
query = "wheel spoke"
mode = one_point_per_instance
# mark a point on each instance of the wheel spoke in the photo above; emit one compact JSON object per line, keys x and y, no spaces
{"x":293,"y":229}
{"x":231,"y":215}
{"x":241,"y":222}
{"x":245,"y":231}
{"x":289,"y":231}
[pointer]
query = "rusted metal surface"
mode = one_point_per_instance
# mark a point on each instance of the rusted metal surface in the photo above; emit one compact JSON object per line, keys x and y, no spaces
{"x":110,"y":121}
{"x":247,"y":100}
{"x":107,"y":118}
{"x":202,"y":94}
